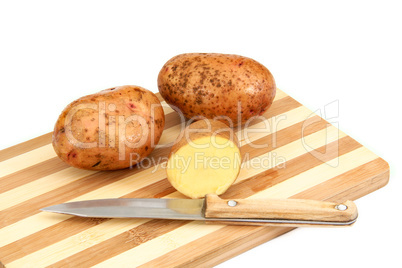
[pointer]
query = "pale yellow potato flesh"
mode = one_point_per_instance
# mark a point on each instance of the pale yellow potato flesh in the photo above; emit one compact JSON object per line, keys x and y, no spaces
{"x":208,"y":165}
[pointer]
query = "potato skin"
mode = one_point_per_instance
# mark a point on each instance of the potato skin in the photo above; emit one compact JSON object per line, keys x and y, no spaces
{"x":104,"y":130}
{"x":212,"y":85}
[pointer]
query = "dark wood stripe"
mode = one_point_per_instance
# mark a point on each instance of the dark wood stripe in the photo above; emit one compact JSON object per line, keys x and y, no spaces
{"x":54,"y":165}
{"x":284,"y":136}
{"x":295,"y":166}
{"x":171,"y":120}
{"x":281,"y":106}
{"x":26,"y":146}
{"x":31,"y":173}
{"x":62,"y":194}
{"x":155,"y":190}
{"x":357,"y":182}
{"x":46,"y":237}
{"x":216,"y":247}
{"x":209,"y":251}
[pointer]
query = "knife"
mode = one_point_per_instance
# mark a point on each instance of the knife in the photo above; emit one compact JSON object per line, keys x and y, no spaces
{"x":213,"y":209}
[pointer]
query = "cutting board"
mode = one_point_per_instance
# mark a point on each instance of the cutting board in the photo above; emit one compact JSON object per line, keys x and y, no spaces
{"x":290,"y":152}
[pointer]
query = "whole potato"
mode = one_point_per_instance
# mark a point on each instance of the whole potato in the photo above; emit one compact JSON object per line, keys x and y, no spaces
{"x":113,"y":129}
{"x":231,"y":87}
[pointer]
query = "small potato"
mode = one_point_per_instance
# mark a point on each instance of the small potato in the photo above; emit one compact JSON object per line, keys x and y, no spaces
{"x":113,"y":129}
{"x":205,"y":159}
{"x":230,"y":87}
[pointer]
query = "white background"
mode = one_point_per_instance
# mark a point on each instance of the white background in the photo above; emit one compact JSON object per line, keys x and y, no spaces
{"x":52,"y":52}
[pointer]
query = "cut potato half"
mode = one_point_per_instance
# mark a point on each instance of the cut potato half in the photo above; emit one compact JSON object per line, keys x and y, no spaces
{"x":205,"y":159}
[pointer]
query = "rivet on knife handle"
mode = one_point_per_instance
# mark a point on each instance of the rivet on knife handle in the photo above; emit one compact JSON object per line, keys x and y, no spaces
{"x":284,"y":212}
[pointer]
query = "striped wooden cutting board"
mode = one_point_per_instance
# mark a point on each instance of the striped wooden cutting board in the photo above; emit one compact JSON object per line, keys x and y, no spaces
{"x":292,"y":153}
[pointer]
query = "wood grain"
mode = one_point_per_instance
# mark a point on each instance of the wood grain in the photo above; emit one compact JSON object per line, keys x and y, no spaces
{"x":280,"y":209}
{"x":292,"y":153}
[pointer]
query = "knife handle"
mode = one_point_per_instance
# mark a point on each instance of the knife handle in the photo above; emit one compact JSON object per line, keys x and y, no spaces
{"x":283,"y":212}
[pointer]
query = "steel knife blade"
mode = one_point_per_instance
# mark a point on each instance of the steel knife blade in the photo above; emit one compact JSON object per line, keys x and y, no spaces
{"x":178,"y":209}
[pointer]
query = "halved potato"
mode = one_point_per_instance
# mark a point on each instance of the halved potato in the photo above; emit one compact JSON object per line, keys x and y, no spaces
{"x":204,"y":160}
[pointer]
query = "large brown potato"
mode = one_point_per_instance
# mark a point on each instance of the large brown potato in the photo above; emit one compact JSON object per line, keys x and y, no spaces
{"x":113,"y":129}
{"x":212,"y":85}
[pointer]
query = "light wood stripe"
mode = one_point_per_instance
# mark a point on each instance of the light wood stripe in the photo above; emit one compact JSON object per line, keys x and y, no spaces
{"x":294,"y":166}
{"x":92,"y":184}
{"x":336,"y":183}
{"x":41,"y":186}
{"x":271,"y":125}
{"x":309,"y":178}
{"x":32,"y":173}
{"x":79,"y":242}
{"x":25,"y":160}
{"x":166,"y":242}
{"x":207,"y":245}
{"x":134,"y":237}
{"x":290,"y":151}
{"x":25,"y":146}
{"x":28,"y":226}
{"x":166,"y":108}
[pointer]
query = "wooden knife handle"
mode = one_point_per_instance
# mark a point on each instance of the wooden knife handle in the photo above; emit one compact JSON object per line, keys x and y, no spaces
{"x":284,"y":212}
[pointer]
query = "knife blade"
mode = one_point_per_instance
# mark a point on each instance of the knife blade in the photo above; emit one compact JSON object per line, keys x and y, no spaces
{"x":213,"y":209}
